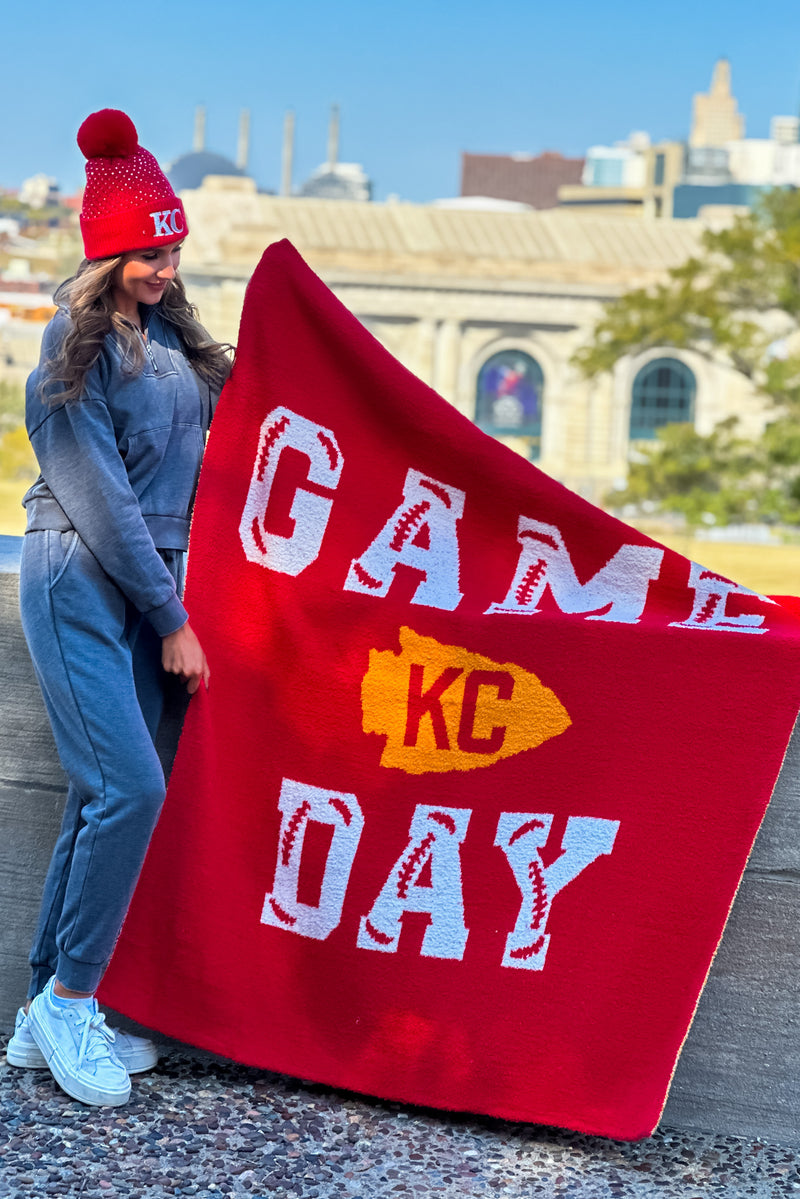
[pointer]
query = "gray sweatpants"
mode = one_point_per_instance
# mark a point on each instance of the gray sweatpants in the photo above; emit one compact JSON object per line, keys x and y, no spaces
{"x":98,"y":662}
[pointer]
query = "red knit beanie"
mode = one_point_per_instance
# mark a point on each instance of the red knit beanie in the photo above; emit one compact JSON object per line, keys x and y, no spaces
{"x":129,"y":203}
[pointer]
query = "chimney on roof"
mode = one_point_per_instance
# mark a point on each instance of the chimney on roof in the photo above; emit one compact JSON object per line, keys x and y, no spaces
{"x":333,"y":136}
{"x":288,"y":153}
{"x":199,"y":142}
{"x":243,"y":148}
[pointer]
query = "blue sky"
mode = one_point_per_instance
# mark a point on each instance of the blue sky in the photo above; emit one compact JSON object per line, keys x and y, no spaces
{"x":417,"y":83}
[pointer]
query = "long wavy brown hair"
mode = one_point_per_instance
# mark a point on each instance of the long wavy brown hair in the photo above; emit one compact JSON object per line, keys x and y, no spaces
{"x":88,"y":297}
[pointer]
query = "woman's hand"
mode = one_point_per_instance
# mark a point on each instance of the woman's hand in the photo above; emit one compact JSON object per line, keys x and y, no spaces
{"x":182,"y":654}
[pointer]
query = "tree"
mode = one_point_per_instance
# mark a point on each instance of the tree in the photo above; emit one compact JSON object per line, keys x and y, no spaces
{"x":738,"y":302}
{"x":719,"y":478}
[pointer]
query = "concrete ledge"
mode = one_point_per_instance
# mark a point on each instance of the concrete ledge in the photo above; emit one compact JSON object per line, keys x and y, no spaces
{"x":739,"y":1072}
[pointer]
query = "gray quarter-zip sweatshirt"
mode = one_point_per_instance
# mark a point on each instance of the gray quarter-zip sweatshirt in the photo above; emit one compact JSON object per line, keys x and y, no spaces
{"x":120,"y":464}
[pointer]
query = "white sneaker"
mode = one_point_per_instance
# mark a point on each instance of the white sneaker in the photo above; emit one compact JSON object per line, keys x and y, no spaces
{"x":78,"y":1048}
{"x":137,"y":1054}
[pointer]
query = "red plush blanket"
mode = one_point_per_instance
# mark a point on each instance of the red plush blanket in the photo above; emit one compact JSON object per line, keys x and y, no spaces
{"x":461,"y":816}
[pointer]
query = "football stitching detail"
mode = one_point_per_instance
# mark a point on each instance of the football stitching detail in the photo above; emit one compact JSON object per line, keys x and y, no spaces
{"x":376,"y":934}
{"x":271,"y":436}
{"x":545,"y":538}
{"x":406,"y":523}
{"x":437,"y":491}
{"x":709,"y":608}
{"x":280,"y":913}
{"x":256,"y":531}
{"x":342,"y":808}
{"x":530,"y":579}
{"x":365,"y":578}
{"x":413,"y":860}
{"x":528,"y":827}
{"x":298,"y":816}
{"x":330,"y":448}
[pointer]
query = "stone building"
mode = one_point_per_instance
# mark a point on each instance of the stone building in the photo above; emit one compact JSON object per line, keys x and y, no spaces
{"x":488,"y":308}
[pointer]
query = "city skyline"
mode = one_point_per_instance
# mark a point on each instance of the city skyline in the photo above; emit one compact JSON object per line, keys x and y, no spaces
{"x":415,"y":87}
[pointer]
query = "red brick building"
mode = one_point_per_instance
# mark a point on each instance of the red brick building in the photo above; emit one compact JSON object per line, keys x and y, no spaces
{"x":521,"y":177}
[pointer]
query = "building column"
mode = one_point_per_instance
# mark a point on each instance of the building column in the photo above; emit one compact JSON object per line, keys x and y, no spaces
{"x":447,"y":359}
{"x":425,"y":355}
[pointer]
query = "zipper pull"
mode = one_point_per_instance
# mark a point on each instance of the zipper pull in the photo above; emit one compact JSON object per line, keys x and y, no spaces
{"x":150,"y":353}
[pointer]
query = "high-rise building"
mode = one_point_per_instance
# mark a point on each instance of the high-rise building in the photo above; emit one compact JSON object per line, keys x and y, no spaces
{"x":715,"y":114}
{"x":785,"y":130}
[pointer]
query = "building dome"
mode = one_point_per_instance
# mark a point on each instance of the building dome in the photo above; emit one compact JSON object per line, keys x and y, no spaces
{"x":338,"y":181}
{"x":189,"y":171}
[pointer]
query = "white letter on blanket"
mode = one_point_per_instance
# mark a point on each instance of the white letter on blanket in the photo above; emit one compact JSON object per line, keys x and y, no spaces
{"x":299,"y":803}
{"x":711,"y":593}
{"x":290,"y":555}
{"x":421,"y":533}
{"x":435,"y":836}
{"x":521,"y":835}
{"x":544,"y":561}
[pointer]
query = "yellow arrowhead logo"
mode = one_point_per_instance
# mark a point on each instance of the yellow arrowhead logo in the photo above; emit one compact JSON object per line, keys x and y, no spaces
{"x":441,"y":707}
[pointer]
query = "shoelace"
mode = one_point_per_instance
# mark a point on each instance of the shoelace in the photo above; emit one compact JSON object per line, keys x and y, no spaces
{"x":96,"y":1038}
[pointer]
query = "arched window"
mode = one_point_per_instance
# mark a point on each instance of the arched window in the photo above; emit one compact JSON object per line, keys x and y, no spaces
{"x":663,"y":394}
{"x":509,"y":396}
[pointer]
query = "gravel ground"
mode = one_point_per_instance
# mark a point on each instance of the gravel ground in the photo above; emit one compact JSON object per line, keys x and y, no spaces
{"x":200,"y":1125}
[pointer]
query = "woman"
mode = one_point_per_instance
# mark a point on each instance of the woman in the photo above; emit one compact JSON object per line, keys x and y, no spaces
{"x":117,"y":413}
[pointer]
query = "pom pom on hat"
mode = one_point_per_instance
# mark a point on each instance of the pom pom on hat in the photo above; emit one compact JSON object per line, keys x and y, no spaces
{"x":108,"y":134}
{"x":128,"y":203}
